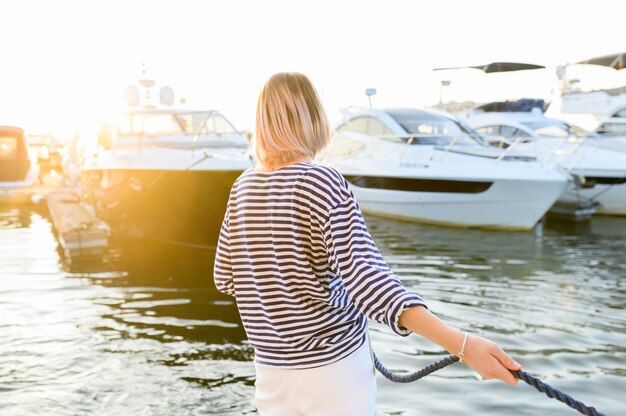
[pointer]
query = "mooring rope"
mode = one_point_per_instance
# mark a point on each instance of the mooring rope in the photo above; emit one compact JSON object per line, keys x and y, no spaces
{"x":409,"y":378}
{"x":522,"y":375}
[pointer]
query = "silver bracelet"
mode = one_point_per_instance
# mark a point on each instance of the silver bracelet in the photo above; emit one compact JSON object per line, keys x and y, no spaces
{"x":462,"y":353}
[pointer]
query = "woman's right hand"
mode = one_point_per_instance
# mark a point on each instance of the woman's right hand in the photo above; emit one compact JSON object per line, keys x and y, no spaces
{"x":489,"y":360}
{"x":482,"y":355}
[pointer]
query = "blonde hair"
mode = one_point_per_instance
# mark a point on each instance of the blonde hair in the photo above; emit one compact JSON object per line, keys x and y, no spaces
{"x":290,"y":120}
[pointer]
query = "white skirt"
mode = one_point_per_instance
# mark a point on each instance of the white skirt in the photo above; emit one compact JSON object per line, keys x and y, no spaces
{"x":346,"y":387}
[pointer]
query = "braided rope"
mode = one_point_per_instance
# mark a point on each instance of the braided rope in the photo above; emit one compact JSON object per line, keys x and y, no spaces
{"x":409,"y":378}
{"x":533,"y":381}
{"x":557,"y":394}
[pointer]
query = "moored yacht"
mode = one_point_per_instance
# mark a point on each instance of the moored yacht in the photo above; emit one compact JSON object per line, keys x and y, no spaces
{"x":426,"y":166}
{"x":600,"y":161}
{"x":594,"y":109}
{"x":18,"y":168}
{"x":167,"y":174}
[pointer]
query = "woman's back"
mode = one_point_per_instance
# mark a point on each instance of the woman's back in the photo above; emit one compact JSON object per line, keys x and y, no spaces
{"x":286,"y":235}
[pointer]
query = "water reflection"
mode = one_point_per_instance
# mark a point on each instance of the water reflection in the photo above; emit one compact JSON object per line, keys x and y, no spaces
{"x":165,"y":292}
{"x":143,"y":330}
{"x":15,"y":217}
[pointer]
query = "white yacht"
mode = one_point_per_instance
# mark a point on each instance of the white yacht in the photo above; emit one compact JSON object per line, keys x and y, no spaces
{"x":426,"y":166}
{"x":598,"y":110}
{"x":601,"y":161}
{"x":167,"y":173}
{"x":526,"y":125}
{"x":591,"y":108}
{"x":19,"y":170}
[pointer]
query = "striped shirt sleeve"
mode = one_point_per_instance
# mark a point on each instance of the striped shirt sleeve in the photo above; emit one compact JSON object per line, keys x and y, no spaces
{"x":372,"y":286}
{"x":222,"y":269}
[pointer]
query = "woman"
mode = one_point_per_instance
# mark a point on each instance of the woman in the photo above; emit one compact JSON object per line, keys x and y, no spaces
{"x":296,"y":254}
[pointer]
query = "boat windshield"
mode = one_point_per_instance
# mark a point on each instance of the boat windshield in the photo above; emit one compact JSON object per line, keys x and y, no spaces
{"x":557,"y":129}
{"x":167,"y":124}
{"x":438,"y":131}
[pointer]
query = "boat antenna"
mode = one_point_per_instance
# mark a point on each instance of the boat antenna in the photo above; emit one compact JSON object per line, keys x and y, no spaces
{"x":369,"y":92}
{"x":444,"y":84}
{"x":146,"y":83}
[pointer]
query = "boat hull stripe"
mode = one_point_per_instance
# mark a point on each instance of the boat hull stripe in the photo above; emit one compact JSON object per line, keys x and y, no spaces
{"x":419,"y":185}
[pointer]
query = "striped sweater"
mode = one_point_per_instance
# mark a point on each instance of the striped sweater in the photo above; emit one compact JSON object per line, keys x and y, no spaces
{"x":306,"y":274}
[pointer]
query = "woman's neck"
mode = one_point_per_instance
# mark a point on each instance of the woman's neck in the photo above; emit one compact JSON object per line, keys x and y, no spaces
{"x":265,"y":168}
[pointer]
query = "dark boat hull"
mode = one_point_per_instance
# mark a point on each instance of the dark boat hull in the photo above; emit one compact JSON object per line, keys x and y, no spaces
{"x":179,"y":207}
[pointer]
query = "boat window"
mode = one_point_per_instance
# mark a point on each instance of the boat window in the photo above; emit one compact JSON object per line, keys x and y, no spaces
{"x":612,"y":129}
{"x":217,"y":124}
{"x":557,"y":129}
{"x":497,"y":133}
{"x":498,"y":130}
{"x":377,"y":128}
{"x":358,"y":125}
{"x":343,"y":145}
{"x":370,"y":126}
{"x":512,"y":132}
{"x":8,"y":148}
{"x":438,"y":131}
{"x":173,"y":124}
{"x":488,"y":130}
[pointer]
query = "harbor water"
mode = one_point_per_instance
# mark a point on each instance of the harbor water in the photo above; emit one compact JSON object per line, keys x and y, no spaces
{"x":144,"y":332}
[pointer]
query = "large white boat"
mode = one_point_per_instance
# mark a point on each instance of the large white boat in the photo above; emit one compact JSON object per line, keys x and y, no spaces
{"x":532,"y":124}
{"x":594,"y":109}
{"x":426,"y":166}
{"x":601,"y":110}
{"x":18,"y":167}
{"x":600,"y":161}
{"x":167,"y":174}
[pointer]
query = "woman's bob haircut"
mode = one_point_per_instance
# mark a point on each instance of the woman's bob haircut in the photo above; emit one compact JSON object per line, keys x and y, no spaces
{"x":290,"y":120}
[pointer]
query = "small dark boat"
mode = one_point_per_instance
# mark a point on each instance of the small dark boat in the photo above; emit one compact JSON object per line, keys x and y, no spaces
{"x":18,"y":170}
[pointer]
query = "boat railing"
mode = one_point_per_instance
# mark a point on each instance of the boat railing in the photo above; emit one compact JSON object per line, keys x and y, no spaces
{"x":581,"y":155}
{"x":439,"y":145}
{"x":449,"y":146}
{"x":554,"y":156}
{"x":564,"y":152}
{"x":161,"y":138}
{"x":508,"y":149}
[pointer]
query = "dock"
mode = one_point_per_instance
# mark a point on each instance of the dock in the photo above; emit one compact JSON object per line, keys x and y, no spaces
{"x":80,"y":233}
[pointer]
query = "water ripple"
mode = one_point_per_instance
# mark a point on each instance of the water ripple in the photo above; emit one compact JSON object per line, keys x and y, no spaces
{"x":144,"y":331}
